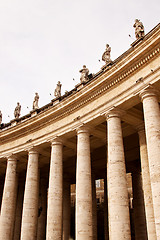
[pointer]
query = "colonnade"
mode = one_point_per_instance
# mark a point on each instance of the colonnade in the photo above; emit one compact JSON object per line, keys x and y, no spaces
{"x":56,"y":208}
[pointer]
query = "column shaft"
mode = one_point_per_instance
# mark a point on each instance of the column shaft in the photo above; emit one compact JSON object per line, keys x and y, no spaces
{"x":147,"y":187}
{"x":30,"y":203}
{"x":83,"y":187}
{"x":118,"y":206}
{"x":9,"y":200}
{"x":66,"y":209}
{"x":54,"y":212}
{"x":152,"y":127}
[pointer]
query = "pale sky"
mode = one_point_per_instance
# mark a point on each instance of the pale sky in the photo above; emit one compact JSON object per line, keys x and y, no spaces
{"x":46,"y":41}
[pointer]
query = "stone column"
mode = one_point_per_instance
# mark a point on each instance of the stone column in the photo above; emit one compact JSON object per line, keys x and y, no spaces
{"x":54,"y":211}
{"x":138,"y":205}
{"x":147,"y":186}
{"x":152,"y":127}
{"x":30,"y":203}
{"x":94,"y":207}
{"x":9,"y":200}
{"x":17,"y":226}
{"x":106,"y":237}
{"x":42,"y":212}
{"x":118,"y":206}
{"x":66,"y":209}
{"x":83,"y":187}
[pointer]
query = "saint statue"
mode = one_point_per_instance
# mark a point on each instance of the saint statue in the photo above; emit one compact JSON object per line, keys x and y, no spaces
{"x":106,"y":57}
{"x":0,"y":117}
{"x":35,"y":102}
{"x":139,"y":29}
{"x":17,"y":110}
{"x":57,"y":91}
{"x":84,"y":74}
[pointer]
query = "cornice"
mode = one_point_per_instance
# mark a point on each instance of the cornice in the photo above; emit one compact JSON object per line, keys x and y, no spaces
{"x":93,"y":89}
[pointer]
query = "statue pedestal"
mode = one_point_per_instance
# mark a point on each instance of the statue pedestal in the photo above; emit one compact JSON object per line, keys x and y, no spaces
{"x":107,"y":65}
{"x":55,"y":102}
{"x":33,"y":112}
{"x":13,"y":122}
{"x":137,"y":41}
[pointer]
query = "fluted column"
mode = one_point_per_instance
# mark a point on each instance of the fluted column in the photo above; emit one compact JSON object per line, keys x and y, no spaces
{"x":118,"y":207}
{"x":147,"y":186}
{"x":66,"y":209}
{"x":83,"y":186}
{"x":42,"y":213}
{"x":138,"y":203}
{"x":94,"y":207}
{"x":30,"y":203}
{"x":9,"y":200}
{"x":17,"y":226}
{"x":152,"y":127}
{"x":54,"y":211}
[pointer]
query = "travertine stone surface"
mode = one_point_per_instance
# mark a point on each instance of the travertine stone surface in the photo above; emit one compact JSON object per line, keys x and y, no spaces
{"x":42,"y":218}
{"x":8,"y":200}
{"x":94,"y":208}
{"x":54,"y":211}
{"x":66,"y":209}
{"x":152,"y":127}
{"x":83,"y":186}
{"x":139,"y":210}
{"x":18,"y":217}
{"x":147,"y":186}
{"x":106,"y":233}
{"x":30,"y":203}
{"x":118,"y":206}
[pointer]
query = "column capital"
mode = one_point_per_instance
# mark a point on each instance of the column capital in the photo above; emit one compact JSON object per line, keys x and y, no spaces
{"x":56,"y":141}
{"x":83,"y":129}
{"x":149,"y":91}
{"x":114,"y":112}
{"x":33,"y":150}
{"x":12,"y":157}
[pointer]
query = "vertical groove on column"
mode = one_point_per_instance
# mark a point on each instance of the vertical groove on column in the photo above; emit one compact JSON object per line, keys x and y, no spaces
{"x":83,"y":187}
{"x":147,"y":187}
{"x":118,"y":205}
{"x":152,"y":127}
{"x":54,"y":211}
{"x":8,"y":200}
{"x":66,"y":209}
{"x":30,"y":203}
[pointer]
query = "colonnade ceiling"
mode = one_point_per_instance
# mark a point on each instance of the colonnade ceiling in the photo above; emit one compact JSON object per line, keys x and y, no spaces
{"x":98,"y":142}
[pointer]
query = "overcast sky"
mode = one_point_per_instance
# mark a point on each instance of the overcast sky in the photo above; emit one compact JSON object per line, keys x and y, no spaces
{"x":46,"y":41}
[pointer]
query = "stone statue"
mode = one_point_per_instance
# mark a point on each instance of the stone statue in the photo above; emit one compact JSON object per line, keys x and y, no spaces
{"x":35,"y":102}
{"x":17,"y":110}
{"x":0,"y":117}
{"x":139,"y":29}
{"x":84,"y":74}
{"x":106,"y":57}
{"x":57,"y":91}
